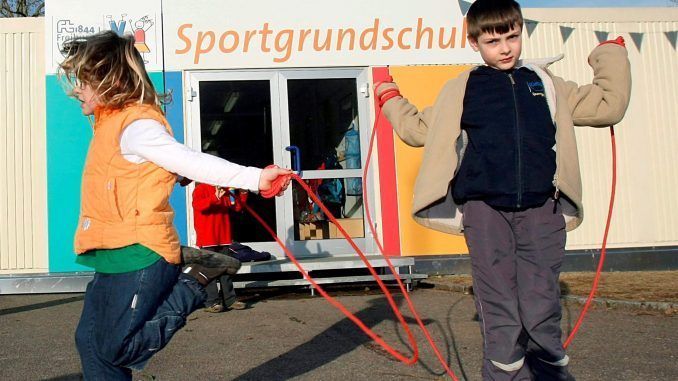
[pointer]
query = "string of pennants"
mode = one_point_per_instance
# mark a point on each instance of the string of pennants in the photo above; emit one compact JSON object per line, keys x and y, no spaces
{"x":566,"y":31}
{"x":636,"y":37}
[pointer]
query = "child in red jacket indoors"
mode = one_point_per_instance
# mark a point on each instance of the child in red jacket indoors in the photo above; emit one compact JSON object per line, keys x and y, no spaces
{"x":211,"y":208}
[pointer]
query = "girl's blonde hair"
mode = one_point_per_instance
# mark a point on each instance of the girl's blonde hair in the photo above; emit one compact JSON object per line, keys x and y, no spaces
{"x":112,"y":66}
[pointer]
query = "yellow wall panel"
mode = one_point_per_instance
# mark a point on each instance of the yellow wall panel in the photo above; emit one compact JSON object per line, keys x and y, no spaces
{"x":420,"y":85}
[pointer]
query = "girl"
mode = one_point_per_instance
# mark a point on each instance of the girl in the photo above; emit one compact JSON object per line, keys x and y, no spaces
{"x":139,"y":296}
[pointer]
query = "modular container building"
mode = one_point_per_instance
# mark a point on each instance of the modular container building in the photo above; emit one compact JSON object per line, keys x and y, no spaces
{"x":289,"y":82}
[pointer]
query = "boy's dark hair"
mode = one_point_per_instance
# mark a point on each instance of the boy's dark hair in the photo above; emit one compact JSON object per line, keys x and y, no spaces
{"x":112,"y":66}
{"x":493,"y":16}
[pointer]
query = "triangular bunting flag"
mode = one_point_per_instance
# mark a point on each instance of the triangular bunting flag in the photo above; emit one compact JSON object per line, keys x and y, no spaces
{"x":565,"y":32}
{"x":637,"y":38}
{"x":672,"y":37}
{"x":531,"y":25}
{"x":602,"y":36}
{"x":464,"y":6}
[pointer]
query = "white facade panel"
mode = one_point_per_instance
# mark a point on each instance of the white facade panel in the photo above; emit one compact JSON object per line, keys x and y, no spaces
{"x":646,"y":207}
{"x":23,"y":189}
{"x":646,"y":211}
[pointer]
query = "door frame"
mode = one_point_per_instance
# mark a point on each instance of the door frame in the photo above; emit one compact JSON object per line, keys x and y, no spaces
{"x":281,"y":139}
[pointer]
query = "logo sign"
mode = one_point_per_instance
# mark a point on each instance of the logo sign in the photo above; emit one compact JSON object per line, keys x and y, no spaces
{"x":212,"y":34}
{"x":68,"y":19}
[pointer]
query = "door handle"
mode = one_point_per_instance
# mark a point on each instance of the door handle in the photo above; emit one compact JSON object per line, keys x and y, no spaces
{"x":296,"y":163}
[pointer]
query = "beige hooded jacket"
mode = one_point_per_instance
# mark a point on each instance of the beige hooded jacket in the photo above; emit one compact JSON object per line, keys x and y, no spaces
{"x":599,"y":104}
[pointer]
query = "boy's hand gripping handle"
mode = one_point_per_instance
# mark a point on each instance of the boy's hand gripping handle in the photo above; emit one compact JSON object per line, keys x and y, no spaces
{"x":384,"y":87}
{"x":619,"y":41}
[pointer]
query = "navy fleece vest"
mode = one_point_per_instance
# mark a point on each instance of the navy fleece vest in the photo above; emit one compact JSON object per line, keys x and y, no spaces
{"x":509,"y":162}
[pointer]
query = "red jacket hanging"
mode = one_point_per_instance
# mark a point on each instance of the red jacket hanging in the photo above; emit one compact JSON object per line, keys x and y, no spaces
{"x":211,"y":214}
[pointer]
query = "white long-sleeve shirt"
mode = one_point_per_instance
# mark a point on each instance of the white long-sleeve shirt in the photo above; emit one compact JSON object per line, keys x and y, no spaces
{"x":148,"y":140}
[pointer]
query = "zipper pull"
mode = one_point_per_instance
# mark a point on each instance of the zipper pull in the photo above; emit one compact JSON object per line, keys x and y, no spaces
{"x":511,"y":78}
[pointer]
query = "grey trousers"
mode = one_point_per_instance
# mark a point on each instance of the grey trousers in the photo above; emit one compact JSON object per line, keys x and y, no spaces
{"x":516,"y":258}
{"x":221,"y":291}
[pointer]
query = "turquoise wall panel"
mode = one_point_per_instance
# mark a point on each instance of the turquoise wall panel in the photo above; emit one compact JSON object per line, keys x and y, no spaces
{"x":175,"y":116}
{"x":68,"y":136}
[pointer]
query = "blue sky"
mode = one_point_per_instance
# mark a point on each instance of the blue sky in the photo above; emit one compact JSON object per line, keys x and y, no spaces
{"x":595,"y":3}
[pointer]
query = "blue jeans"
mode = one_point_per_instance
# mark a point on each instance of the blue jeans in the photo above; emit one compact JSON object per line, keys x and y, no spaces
{"x":129,"y":317}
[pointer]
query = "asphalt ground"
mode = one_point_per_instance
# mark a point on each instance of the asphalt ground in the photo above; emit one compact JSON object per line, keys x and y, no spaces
{"x":294,"y":336}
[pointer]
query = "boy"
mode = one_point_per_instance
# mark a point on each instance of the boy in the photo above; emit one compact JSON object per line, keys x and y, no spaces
{"x":500,"y":147}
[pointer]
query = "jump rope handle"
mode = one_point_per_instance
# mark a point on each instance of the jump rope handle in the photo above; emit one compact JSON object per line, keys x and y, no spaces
{"x":384,"y":87}
{"x":276,"y":185}
{"x":381,"y":74}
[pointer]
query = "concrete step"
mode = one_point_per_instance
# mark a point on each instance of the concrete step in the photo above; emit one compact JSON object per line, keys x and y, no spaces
{"x":323,"y":270}
{"x":275,"y":273}
{"x":407,"y":279}
{"x":323,"y":263}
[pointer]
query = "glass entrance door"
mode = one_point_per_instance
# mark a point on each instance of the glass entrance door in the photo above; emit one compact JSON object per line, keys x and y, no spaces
{"x":309,"y":120}
{"x":323,"y":118}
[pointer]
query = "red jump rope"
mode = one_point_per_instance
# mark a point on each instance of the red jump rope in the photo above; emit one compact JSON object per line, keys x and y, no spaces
{"x":619,"y":41}
{"x":395,"y":353}
{"x":384,"y":76}
{"x":601,"y":261}
{"x":276,"y":188}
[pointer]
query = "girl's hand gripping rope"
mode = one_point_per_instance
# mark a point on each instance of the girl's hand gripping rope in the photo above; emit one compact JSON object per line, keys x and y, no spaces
{"x":274,"y":181}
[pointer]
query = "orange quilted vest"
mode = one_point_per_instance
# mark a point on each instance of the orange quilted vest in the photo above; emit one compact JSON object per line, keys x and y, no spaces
{"x":123,"y":203}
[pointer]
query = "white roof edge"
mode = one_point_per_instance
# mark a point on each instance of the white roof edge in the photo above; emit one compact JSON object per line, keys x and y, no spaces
{"x":635,"y":15}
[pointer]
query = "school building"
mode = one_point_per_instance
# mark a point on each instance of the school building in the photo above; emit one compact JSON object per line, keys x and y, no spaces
{"x":289,"y":82}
